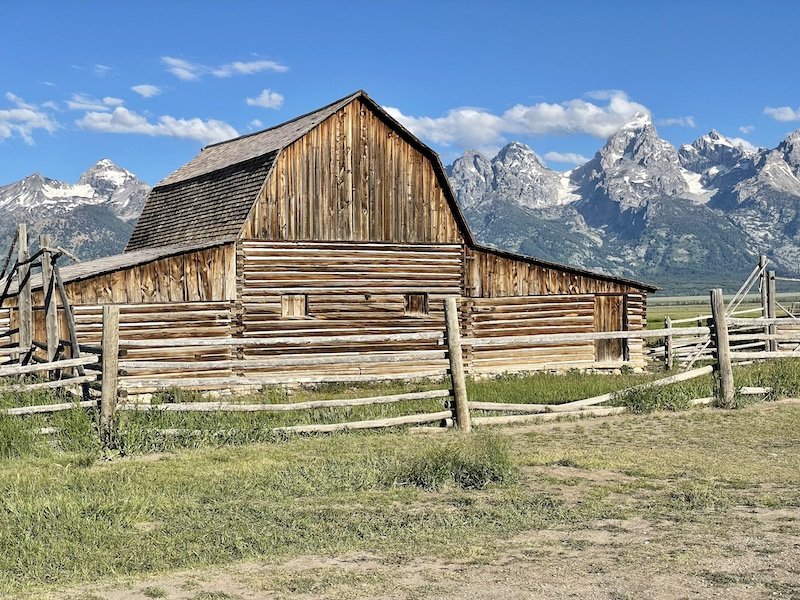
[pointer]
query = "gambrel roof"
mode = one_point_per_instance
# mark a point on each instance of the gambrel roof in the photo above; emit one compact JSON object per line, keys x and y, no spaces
{"x":210,"y":197}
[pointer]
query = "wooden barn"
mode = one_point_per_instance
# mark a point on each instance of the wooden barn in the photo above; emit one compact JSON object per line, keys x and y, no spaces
{"x":338,"y":222}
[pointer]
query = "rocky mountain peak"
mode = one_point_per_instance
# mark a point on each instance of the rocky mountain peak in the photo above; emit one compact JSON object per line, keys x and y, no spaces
{"x":634,"y":166}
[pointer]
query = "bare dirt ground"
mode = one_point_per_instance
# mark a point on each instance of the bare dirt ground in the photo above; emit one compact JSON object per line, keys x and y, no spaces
{"x":748,"y":555}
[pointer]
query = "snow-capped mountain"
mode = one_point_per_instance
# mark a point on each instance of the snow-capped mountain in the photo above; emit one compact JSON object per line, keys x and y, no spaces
{"x":93,"y":217}
{"x":642,"y":208}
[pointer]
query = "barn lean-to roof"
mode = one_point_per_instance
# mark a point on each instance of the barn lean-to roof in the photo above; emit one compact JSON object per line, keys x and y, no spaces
{"x":211,"y":196}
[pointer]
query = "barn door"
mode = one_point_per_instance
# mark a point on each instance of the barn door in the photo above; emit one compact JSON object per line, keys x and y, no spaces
{"x":609,"y":315}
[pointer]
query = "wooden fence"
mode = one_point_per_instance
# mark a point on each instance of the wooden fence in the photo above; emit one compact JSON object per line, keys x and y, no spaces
{"x":122,"y":375}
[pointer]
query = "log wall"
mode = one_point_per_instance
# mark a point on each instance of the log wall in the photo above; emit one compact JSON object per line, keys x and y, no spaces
{"x":164,"y":321}
{"x":351,"y":289}
{"x":5,"y":325}
{"x":353,"y":177}
{"x":537,"y":315}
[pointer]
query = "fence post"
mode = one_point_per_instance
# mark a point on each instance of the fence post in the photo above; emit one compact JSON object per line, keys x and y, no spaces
{"x":764,"y":289}
{"x":668,"y":344}
{"x":771,"y":300}
{"x":25,"y":302}
{"x":110,"y":361}
{"x":723,"y":350}
{"x":457,"y":365}
{"x":49,"y":297}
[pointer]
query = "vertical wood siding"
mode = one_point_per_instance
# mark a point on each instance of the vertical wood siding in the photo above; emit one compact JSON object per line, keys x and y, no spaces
{"x":490,"y":275}
{"x":353,"y":178}
{"x":198,"y":276}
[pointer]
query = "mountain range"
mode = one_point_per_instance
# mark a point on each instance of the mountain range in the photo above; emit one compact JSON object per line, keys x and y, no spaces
{"x":685,"y":219}
{"x":93,"y":218}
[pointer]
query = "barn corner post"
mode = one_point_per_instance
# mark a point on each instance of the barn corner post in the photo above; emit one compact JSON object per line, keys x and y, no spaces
{"x":110,"y":363}
{"x":726,"y":392}
{"x":462,"y":416}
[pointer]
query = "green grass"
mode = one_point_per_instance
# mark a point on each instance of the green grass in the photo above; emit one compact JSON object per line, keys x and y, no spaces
{"x":63,"y":522}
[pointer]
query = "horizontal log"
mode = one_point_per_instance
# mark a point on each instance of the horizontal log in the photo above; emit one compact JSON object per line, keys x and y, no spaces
{"x":760,"y":321}
{"x":311,"y":340}
{"x":580,"y":404}
{"x":559,"y":338}
{"x":754,"y":391}
{"x":48,"y":366}
{"x":702,"y":401}
{"x":744,"y":355}
{"x":370,"y":424}
{"x":256,"y":381}
{"x":47,"y":408}
{"x":254,"y":363}
{"x":704,"y":317}
{"x":507,"y":407}
{"x":315,"y":404}
{"x":518,"y":419}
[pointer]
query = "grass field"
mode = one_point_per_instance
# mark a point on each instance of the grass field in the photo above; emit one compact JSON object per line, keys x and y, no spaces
{"x":693,"y":503}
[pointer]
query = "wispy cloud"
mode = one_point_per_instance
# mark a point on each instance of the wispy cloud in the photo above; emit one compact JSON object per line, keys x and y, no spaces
{"x":469,"y":127}
{"x":747,"y":129}
{"x":101,"y":70}
{"x":256,"y":124}
{"x":23,"y":119}
{"x":570,"y":158}
{"x":783,"y":114}
{"x":192,"y":71}
{"x":84,"y":102}
{"x":266,"y":99}
{"x":677,"y":121}
{"x":122,"y":120}
{"x":146,"y":90}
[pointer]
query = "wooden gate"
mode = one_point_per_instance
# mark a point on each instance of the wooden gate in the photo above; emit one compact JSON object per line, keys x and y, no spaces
{"x":609,"y":315}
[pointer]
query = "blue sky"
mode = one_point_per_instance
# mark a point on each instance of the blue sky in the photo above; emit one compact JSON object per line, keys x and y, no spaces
{"x":147,"y":84}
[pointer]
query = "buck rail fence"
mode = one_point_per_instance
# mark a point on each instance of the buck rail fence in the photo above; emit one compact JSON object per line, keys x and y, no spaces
{"x":221,"y":365}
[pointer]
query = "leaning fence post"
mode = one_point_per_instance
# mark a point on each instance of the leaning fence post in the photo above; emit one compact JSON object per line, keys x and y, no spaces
{"x":668,"y":344}
{"x":771,"y":312}
{"x":49,"y":297}
{"x":108,"y":396}
{"x":723,"y":350}
{"x":457,"y":365}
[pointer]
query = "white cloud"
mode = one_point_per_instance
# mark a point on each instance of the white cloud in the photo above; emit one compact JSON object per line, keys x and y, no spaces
{"x":256,"y":124}
{"x":743,"y":144}
{"x":266,"y":99}
{"x":189,"y":71}
{"x":84,"y":102}
{"x":747,"y":129}
{"x":677,"y":121}
{"x":146,"y":90}
{"x":572,"y":158}
{"x":469,"y":127}
{"x":122,"y":120}
{"x":248,"y":68}
{"x":783,"y":113}
{"x":101,"y":70}
{"x":23,"y":119}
